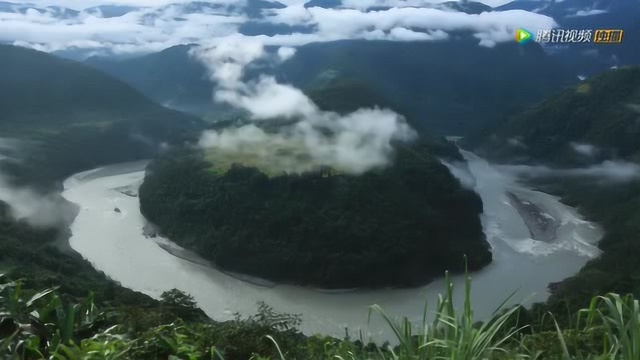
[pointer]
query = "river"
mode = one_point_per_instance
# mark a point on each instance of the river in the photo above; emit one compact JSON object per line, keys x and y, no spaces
{"x":114,"y":242}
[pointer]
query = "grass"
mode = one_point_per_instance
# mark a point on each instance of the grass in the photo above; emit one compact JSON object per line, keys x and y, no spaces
{"x":611,"y":325}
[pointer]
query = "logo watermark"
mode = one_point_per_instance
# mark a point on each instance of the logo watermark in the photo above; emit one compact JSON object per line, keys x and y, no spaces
{"x":571,"y":36}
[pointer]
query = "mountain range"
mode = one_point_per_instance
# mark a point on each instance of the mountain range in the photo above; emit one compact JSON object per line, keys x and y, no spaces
{"x":76,"y":117}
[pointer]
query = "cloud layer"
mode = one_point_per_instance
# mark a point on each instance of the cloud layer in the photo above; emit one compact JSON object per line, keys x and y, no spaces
{"x":154,"y":25}
{"x":312,"y":138}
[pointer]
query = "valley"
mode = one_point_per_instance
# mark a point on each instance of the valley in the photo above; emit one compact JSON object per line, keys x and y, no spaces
{"x":141,"y":263}
{"x":325,"y":179}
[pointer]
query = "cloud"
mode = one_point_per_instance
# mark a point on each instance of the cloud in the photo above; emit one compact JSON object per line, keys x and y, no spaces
{"x":608,"y":171}
{"x":489,"y":27}
{"x":368,"y":4}
{"x":285,"y":53}
{"x":584,"y":149}
{"x":588,"y":13}
{"x":139,"y":31}
{"x":42,"y":210}
{"x":84,"y":4}
{"x":517,"y":142}
{"x":353,"y":143}
{"x":34,"y":208}
{"x":460,"y":170}
{"x":158,"y":25}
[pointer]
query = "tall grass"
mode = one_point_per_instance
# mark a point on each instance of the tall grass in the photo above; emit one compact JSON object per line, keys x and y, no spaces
{"x":453,"y":334}
{"x":42,"y":326}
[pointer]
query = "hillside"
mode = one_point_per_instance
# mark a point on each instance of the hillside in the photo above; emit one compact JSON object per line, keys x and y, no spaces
{"x":602,"y":112}
{"x":592,"y":128}
{"x":444,"y":87}
{"x":170,"y":77}
{"x":76,"y":118}
{"x":400,"y":226}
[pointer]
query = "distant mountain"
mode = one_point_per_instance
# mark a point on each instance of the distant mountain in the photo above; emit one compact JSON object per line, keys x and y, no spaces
{"x":78,"y":117}
{"x":445,"y":87}
{"x":171,"y":77}
{"x":602,"y":114}
{"x":57,"y":11}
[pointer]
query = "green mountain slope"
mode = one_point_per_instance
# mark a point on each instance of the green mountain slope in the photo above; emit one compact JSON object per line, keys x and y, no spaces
{"x":170,"y":77}
{"x":447,"y":87}
{"x":603,"y":111}
{"x":76,"y":117}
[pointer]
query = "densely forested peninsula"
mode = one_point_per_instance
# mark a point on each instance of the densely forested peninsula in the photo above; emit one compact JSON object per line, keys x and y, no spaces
{"x":398,"y":226}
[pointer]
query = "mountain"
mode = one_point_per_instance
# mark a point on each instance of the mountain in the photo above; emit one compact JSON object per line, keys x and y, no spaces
{"x":447,"y":87}
{"x":170,"y":77}
{"x":59,"y":12}
{"x":602,"y":112}
{"x":403,"y":225}
{"x":444,"y":87}
{"x":78,"y":117}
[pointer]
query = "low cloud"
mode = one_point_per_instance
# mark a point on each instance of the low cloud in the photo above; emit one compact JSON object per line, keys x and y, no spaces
{"x":587,"y":150}
{"x":353,"y":143}
{"x":156,"y":25}
{"x":285,"y":53}
{"x":607,"y":171}
{"x":368,"y":4}
{"x":588,"y":12}
{"x":34,"y":208}
{"x":516,"y":142}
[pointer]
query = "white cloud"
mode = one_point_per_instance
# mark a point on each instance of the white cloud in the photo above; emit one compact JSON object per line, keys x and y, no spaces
{"x":37,"y":209}
{"x":589,"y":12}
{"x":584,"y":149}
{"x":368,"y":4}
{"x":139,"y":31}
{"x":608,"y":171}
{"x":489,"y":27}
{"x":266,"y":99}
{"x":353,"y":143}
{"x":84,"y":4}
{"x":285,"y":53}
{"x":158,"y":26}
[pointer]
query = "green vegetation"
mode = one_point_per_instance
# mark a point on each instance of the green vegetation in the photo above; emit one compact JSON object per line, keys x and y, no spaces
{"x":601,"y":112}
{"x":398,"y":226}
{"x":442,"y":87}
{"x":45,"y":325}
{"x":74,"y":117}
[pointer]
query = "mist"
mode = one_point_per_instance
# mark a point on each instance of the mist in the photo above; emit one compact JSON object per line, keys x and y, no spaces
{"x":352,"y":143}
{"x":25,"y":204}
{"x":609,"y":171}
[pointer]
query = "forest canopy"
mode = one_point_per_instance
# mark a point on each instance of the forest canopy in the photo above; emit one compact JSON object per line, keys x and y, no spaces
{"x":398,"y":226}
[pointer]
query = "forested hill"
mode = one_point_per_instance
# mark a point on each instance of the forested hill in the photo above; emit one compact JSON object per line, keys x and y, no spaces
{"x":401,"y":226}
{"x":75,"y":117}
{"x":600,"y":113}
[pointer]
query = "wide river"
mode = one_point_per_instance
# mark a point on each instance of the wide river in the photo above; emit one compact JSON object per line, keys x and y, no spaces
{"x":114,"y":242}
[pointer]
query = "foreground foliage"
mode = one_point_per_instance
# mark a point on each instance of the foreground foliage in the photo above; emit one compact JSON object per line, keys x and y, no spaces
{"x":44,"y":325}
